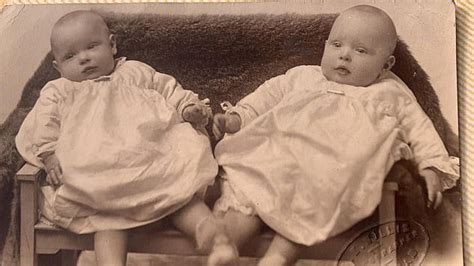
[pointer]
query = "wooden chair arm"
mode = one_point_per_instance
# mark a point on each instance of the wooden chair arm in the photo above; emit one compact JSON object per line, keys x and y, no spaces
{"x":29,"y":173}
{"x":28,"y":178}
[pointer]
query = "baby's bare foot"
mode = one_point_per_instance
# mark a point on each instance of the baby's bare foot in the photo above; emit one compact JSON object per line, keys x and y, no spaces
{"x":223,"y":252}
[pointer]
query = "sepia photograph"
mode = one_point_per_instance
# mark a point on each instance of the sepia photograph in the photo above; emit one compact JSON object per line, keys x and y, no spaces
{"x":244,"y":133}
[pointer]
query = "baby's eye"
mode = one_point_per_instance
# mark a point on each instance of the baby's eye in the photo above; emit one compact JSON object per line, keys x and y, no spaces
{"x":361,"y":51}
{"x":92,"y":45}
{"x":336,"y":44}
{"x":68,"y":56}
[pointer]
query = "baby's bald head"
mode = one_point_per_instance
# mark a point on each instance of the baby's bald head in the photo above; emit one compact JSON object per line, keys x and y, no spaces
{"x":387,"y":33}
{"x":81,"y":17}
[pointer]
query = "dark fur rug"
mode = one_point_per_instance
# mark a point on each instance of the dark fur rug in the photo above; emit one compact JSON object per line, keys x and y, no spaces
{"x":223,"y":58}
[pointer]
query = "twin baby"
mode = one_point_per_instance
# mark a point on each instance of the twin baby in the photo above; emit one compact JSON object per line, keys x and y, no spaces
{"x":306,"y":153}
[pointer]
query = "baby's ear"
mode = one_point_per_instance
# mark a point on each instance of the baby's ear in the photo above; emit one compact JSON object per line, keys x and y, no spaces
{"x":390,"y":62}
{"x":55,"y":66}
{"x":113,"y":43}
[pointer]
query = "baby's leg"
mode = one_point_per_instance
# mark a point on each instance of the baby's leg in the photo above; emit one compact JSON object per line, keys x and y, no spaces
{"x":196,"y":220}
{"x":111,"y":247}
{"x":237,"y":214}
{"x":240,"y":227}
{"x":281,"y":252}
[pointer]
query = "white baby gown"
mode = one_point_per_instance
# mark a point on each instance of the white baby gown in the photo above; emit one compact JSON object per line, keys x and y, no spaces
{"x":312,"y":155}
{"x":127,"y":157}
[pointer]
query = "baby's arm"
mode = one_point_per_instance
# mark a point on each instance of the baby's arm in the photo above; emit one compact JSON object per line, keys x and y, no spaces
{"x":38,"y":135}
{"x":226,"y":123}
{"x":265,"y":97}
{"x":187,"y":104}
{"x":429,"y":153}
{"x":433,"y":187}
{"x":52,"y":167}
{"x":197,"y":114}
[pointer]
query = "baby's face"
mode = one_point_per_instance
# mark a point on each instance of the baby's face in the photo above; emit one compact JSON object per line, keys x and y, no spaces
{"x":357,"y":50}
{"x":83,"y":51}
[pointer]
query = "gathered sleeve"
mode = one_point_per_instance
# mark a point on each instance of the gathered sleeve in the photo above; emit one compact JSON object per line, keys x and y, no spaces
{"x":40,"y":129}
{"x":265,"y":97}
{"x":174,"y":93}
{"x":426,"y":145}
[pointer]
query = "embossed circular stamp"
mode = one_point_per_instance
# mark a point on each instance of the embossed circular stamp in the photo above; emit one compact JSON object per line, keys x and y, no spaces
{"x":401,"y":242}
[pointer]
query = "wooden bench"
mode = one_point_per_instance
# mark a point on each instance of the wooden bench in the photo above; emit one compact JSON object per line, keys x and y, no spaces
{"x":38,"y":237}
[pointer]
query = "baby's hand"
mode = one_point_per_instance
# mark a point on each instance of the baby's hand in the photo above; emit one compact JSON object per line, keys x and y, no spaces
{"x":53,"y":169}
{"x":433,"y":186}
{"x":197,"y":115}
{"x":225,"y":123}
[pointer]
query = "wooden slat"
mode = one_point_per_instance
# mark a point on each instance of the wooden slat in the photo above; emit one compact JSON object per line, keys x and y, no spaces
{"x":62,"y":239}
{"x":29,"y":173}
{"x":172,"y":242}
{"x":27,"y":221}
{"x":387,"y":214}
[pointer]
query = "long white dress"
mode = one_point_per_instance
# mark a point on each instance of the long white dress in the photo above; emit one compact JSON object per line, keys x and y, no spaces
{"x":127,"y":157}
{"x":312,"y":155}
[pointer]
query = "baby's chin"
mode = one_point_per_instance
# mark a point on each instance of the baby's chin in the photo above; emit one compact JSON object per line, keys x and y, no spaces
{"x":346,"y":79}
{"x":83,"y":77}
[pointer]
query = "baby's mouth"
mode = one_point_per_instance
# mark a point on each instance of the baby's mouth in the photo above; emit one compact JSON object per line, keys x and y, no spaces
{"x":89,"y":70}
{"x":342,"y":70}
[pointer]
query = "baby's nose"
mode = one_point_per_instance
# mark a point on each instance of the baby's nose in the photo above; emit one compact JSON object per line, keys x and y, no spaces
{"x":83,"y":58}
{"x":345,"y":55}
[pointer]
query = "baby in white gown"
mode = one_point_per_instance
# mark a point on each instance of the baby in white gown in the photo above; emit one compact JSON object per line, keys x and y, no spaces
{"x":116,"y":139}
{"x":308,"y":151}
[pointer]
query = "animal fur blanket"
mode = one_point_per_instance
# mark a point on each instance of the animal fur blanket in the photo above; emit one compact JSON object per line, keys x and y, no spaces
{"x":221,"y":58}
